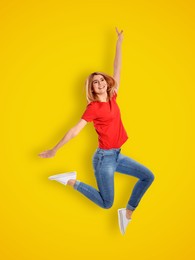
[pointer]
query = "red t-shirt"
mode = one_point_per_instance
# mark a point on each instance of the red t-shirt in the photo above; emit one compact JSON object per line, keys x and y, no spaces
{"x":107,"y":122}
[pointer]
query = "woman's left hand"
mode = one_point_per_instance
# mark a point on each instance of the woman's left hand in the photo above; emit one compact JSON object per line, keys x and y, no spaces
{"x":120,"y":34}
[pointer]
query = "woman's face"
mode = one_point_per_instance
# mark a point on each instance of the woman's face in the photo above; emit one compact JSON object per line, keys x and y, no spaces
{"x":99,"y":84}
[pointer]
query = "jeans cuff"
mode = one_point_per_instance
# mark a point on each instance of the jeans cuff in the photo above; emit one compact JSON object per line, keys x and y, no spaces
{"x":76,"y":185}
{"x":130,"y":207}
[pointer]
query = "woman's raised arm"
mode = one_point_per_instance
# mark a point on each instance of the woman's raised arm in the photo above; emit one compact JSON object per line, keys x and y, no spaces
{"x":118,"y":58}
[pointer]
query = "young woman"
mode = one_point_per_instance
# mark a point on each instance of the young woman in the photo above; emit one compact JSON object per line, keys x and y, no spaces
{"x":103,"y":111}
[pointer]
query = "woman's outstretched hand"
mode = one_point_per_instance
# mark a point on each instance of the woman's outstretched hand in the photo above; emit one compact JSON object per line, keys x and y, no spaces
{"x":120,"y":34}
{"x":47,"y":154}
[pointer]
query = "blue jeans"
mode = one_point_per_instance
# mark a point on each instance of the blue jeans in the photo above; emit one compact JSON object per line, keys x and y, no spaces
{"x":105,"y":164}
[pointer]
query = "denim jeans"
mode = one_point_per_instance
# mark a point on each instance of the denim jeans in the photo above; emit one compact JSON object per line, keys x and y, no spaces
{"x":105,"y":164}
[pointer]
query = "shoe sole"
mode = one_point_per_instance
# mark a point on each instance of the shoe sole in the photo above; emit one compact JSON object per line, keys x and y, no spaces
{"x":120,"y":218}
{"x":61,"y":175}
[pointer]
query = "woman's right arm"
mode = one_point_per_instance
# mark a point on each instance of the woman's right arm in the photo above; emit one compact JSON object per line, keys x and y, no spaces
{"x":118,"y":58}
{"x":68,"y":136}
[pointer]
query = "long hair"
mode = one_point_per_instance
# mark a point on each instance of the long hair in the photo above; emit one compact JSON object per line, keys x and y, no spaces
{"x":90,"y":95}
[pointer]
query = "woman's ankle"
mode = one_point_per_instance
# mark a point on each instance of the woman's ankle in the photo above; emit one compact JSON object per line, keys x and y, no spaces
{"x":71,"y":182}
{"x":129,"y":213}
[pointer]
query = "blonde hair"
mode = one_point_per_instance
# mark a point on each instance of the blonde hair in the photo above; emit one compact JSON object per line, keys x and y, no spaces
{"x":111,"y":82}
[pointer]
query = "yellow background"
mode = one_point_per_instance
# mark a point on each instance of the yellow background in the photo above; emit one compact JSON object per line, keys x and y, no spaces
{"x":47,"y":49}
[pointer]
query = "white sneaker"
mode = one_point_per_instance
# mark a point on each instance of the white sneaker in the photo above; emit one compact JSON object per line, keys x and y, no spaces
{"x":123,"y":220}
{"x":63,"y":177}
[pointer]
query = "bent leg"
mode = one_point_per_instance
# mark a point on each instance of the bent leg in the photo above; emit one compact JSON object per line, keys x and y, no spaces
{"x":92,"y":194}
{"x":104,"y":173}
{"x":129,"y":166}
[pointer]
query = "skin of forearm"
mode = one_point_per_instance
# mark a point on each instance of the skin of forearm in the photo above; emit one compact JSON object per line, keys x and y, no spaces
{"x":118,"y":56}
{"x":69,"y":135}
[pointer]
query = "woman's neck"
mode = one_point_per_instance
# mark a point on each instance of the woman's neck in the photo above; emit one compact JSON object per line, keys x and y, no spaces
{"x":103,"y":97}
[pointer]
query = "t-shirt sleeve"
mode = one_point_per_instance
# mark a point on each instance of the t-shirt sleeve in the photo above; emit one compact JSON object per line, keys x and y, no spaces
{"x":89,"y":113}
{"x":115,"y":95}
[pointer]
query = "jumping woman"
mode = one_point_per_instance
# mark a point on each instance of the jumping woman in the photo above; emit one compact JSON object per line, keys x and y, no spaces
{"x":103,"y":111}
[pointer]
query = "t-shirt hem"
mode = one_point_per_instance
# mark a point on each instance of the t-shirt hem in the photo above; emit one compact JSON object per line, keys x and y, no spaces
{"x":113,"y":147}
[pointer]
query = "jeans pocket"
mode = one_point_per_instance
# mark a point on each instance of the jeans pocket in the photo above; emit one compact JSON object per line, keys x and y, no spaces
{"x":97,"y":161}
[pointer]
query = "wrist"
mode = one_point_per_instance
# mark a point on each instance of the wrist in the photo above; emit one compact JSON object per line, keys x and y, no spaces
{"x":54,"y":149}
{"x":119,"y":43}
{"x":120,"y":39}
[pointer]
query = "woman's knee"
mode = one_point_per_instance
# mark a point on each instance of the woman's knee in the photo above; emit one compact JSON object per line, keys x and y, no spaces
{"x":151,"y":176}
{"x":108,"y":204}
